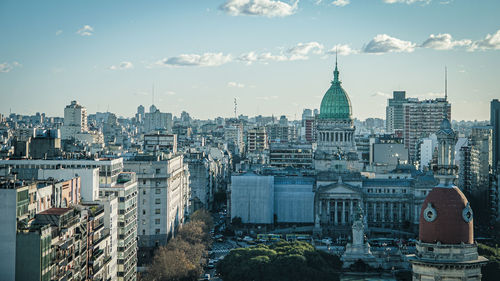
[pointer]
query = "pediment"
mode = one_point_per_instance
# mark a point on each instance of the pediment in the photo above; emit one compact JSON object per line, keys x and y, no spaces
{"x":339,"y":188}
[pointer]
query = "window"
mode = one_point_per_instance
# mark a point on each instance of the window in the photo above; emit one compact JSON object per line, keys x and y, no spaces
{"x":157,"y":211}
{"x":157,"y":201}
{"x":143,"y":181}
{"x":158,"y":191}
{"x":143,"y":232}
{"x":143,"y":212}
{"x":157,"y":221}
{"x":157,"y":231}
{"x":144,"y":192}
{"x":157,"y":171}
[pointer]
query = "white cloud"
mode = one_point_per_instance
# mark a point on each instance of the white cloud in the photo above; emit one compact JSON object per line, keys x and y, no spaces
{"x":267,"y":8}
{"x":407,"y":1}
{"x":302,"y":50}
{"x":444,"y":42}
{"x":341,"y":3}
{"x":265,"y":58}
{"x":59,"y":32}
{"x":383,"y":43}
{"x":7,"y":67}
{"x":491,"y":42}
{"x":122,"y":65}
{"x":342,"y":50}
{"x":267,"y":98}
{"x":235,"y":85}
{"x":206,"y":59}
{"x":170,"y":93}
{"x":86,"y":30}
{"x":381,"y":94}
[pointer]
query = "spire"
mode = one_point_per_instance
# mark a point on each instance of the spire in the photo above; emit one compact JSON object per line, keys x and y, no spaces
{"x":445,"y":84}
{"x":336,"y":71}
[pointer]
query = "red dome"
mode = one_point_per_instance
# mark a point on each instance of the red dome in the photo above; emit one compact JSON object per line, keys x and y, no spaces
{"x":446,"y":217}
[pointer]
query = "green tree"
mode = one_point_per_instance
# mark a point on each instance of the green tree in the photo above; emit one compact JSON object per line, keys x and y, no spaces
{"x":281,"y":261}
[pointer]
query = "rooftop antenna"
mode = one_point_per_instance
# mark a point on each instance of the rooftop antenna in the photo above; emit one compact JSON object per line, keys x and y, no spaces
{"x":153,"y":95}
{"x":445,"y":83}
{"x":235,"y":109}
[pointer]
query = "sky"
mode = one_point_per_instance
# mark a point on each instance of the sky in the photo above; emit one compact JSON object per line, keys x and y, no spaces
{"x":274,"y":57}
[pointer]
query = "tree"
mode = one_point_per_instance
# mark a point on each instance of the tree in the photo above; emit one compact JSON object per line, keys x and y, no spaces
{"x":180,"y":259}
{"x":277,"y":262}
{"x":205,"y":217}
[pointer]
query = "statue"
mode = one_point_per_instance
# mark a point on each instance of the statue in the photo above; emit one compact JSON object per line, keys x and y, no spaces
{"x":359,"y":248}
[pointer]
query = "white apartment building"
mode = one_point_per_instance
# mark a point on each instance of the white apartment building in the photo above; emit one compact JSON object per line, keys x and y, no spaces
{"x":75,"y":120}
{"x":164,"y":195}
{"x":125,"y":189}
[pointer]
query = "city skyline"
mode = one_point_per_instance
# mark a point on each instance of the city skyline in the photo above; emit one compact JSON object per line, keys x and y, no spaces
{"x":267,"y":54}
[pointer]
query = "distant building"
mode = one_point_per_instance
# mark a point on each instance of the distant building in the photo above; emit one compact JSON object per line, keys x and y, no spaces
{"x":291,"y":155}
{"x":157,"y":121}
{"x":495,"y":124}
{"x":158,"y":142}
{"x":394,"y":115}
{"x":257,"y":139}
{"x":421,"y":119}
{"x":75,"y":120}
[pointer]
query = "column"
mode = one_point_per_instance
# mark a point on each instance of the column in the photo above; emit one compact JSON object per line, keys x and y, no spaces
{"x":350,"y":211}
{"x":383,"y":212}
{"x":374,"y":211}
{"x":320,"y":207}
{"x":399,"y":212}
{"x":328,"y":210}
{"x":343,"y":211}
{"x":391,"y":212}
{"x":336,"y":221}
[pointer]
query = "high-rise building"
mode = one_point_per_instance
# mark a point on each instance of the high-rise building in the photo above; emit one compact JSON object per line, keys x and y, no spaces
{"x":480,"y":161}
{"x":257,"y":139}
{"x":421,"y":119}
{"x":394,"y":116}
{"x":495,"y":124}
{"x":139,"y":116}
{"x":163,"y":200}
{"x":158,"y":121}
{"x":278,"y":132}
{"x":75,"y":120}
{"x":125,"y":189}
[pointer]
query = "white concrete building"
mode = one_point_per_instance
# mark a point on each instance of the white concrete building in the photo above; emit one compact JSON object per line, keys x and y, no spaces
{"x":75,"y":120}
{"x":163,"y":186}
{"x":125,"y":189}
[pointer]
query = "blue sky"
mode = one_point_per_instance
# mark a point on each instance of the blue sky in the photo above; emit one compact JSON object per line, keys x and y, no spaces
{"x":275,"y":57}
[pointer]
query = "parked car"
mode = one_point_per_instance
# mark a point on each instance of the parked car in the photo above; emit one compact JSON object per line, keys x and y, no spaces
{"x":247,"y":239}
{"x":326,"y":240}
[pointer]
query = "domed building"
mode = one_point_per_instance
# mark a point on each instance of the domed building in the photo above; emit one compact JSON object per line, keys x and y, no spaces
{"x":446,"y":249}
{"x":335,"y":129}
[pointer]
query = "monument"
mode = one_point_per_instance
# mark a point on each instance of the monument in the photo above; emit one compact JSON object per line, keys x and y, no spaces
{"x":359,"y":249}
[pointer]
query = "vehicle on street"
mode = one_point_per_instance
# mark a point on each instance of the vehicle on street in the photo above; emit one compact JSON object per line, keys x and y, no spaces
{"x":206,"y":276}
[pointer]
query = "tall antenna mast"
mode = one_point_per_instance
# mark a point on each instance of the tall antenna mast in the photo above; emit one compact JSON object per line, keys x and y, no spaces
{"x":445,"y":84}
{"x":235,"y":108}
{"x":153,"y":95}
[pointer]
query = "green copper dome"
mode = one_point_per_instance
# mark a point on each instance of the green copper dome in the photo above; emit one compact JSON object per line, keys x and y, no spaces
{"x":335,"y":104}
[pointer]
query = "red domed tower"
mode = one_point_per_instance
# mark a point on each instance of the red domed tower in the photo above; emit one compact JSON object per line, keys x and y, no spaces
{"x":446,"y":247}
